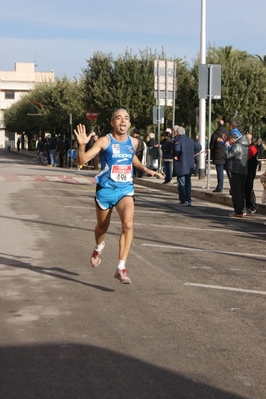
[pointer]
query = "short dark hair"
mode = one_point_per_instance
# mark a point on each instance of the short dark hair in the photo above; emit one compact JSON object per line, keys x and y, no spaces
{"x":233,"y":123}
{"x":232,"y":136}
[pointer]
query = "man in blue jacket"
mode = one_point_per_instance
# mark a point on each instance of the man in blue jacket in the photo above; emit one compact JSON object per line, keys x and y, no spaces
{"x":184,"y":151}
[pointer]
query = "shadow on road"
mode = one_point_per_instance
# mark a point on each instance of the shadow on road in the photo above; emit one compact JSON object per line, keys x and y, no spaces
{"x":4,"y":260}
{"x":70,"y":371}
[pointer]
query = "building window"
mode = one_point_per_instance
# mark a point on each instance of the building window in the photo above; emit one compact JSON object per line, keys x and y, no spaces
{"x":9,"y":95}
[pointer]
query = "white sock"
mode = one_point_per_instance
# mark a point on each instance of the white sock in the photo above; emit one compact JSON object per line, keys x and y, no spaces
{"x":121,"y":264}
{"x":99,"y":247}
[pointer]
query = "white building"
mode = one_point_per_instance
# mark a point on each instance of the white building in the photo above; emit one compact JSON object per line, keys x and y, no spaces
{"x":12,"y":85}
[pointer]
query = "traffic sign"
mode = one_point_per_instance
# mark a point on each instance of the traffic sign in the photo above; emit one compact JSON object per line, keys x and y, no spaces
{"x":91,"y":115}
{"x":155,"y":112}
{"x":210,"y":81}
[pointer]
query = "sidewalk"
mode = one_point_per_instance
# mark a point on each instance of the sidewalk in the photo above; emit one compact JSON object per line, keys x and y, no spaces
{"x":199,"y":186}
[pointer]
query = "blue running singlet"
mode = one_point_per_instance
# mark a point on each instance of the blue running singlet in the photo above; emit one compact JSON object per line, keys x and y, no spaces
{"x":116,"y":163}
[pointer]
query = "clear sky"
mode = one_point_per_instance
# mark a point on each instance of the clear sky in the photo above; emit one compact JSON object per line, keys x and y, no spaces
{"x":61,"y":35}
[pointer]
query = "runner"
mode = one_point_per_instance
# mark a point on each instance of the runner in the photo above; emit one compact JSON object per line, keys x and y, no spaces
{"x":114,"y":185}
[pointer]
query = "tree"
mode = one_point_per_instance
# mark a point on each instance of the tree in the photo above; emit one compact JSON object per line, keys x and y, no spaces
{"x":46,"y":108}
{"x":127,"y":82}
{"x":243,"y":86}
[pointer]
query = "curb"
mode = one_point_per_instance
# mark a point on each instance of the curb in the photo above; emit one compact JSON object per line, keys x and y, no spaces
{"x":203,"y":194}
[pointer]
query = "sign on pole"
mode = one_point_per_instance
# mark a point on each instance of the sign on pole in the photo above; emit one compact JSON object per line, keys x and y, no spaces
{"x":155,"y":114}
{"x":165,"y":82}
{"x":209,"y":87}
{"x":210,"y":76}
{"x":91,"y":115}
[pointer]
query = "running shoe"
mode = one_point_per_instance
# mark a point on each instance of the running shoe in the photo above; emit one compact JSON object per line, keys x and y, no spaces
{"x":122,"y":275}
{"x":251,"y":210}
{"x":184,"y":204}
{"x":96,"y":256}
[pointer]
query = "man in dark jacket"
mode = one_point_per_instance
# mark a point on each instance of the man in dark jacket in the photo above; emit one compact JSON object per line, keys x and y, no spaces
{"x":237,"y":152}
{"x":217,"y":155}
{"x":184,"y":151}
{"x":167,"y":156}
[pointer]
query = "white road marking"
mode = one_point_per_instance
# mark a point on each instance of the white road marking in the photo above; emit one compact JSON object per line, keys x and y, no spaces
{"x":53,"y":178}
{"x":219,"y":287}
{"x":81,"y":180}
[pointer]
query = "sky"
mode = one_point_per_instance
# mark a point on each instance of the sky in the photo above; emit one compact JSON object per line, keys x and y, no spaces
{"x":61,"y":35}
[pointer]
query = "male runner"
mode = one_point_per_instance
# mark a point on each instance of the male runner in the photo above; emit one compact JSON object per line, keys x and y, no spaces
{"x":114,"y":184}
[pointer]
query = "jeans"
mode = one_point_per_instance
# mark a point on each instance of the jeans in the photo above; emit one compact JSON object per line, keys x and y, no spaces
{"x":184,"y":188}
{"x":52,"y":157}
{"x":168,"y":168}
{"x":220,"y":175}
{"x":40,"y":157}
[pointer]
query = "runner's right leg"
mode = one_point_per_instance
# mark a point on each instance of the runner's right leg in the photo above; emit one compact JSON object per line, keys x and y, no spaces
{"x":103,"y":222}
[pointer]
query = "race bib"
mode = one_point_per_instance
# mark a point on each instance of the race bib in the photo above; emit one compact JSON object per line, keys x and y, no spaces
{"x":121,"y":173}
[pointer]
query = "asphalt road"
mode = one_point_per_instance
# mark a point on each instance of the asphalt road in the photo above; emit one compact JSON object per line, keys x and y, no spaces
{"x":191,"y":325}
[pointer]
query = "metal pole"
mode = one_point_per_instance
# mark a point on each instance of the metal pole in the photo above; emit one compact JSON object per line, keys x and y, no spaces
{"x":202,"y":102}
{"x":210,"y":121}
{"x":159,"y":114}
{"x":158,"y":99}
{"x":71,"y":132}
{"x":174,"y":88}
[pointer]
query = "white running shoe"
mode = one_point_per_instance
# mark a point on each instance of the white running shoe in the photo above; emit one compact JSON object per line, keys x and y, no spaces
{"x":96,"y":256}
{"x":122,"y":276}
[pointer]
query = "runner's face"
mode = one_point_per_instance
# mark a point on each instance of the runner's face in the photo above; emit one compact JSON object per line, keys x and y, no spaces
{"x":121,"y":122}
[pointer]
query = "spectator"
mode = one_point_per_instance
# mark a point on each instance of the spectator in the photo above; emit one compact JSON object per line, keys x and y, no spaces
{"x":217,"y":155}
{"x":260,"y":148}
{"x":40,"y":150}
{"x":139,"y":150}
{"x":18,"y":143}
{"x":235,"y":128}
{"x":52,"y":150}
{"x":251,"y":174}
{"x":150,"y":140}
{"x":167,"y":156}
{"x":175,"y":133}
{"x":47,"y":150}
{"x":237,"y":152}
{"x":196,"y":159}
{"x":60,"y":149}
{"x":66,"y":149}
{"x":184,"y":150}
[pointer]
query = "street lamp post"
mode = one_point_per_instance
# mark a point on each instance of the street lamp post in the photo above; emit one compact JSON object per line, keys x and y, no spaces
{"x":202,"y":102}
